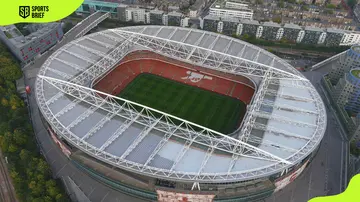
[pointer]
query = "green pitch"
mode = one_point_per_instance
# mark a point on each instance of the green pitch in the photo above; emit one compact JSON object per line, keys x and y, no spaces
{"x":209,"y":109}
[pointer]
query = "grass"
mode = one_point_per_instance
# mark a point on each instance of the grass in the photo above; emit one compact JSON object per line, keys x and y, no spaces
{"x":209,"y":109}
{"x":356,"y":73}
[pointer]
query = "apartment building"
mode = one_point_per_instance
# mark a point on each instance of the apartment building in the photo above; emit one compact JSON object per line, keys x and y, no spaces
{"x":231,"y":9}
{"x":26,"y":48}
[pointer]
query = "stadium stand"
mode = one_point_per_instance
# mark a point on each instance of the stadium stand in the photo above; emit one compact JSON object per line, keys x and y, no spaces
{"x":139,"y":62}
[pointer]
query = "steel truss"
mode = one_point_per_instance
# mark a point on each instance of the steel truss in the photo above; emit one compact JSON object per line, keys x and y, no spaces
{"x":206,"y":56}
{"x":94,"y":23}
{"x":111,"y":104}
{"x":214,"y":141}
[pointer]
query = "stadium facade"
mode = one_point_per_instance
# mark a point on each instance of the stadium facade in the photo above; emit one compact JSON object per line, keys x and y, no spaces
{"x":154,"y":155}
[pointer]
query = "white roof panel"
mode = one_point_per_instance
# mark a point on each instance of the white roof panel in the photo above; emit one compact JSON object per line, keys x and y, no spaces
{"x":290,"y":124}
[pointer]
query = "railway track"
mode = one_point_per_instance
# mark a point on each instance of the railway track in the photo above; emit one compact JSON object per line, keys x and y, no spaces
{"x":7,"y":192}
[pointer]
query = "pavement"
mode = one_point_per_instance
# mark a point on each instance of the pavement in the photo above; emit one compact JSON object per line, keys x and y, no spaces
{"x":60,"y":164}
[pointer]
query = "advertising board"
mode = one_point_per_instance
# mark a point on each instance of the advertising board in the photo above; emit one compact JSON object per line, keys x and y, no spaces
{"x":63,"y":148}
{"x":167,"y":196}
{"x":287,"y":180}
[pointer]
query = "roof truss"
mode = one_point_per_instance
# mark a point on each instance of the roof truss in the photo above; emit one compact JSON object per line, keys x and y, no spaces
{"x":206,"y":56}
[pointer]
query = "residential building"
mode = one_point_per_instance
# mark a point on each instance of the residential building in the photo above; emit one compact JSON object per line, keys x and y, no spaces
{"x":292,"y":32}
{"x":333,"y":37}
{"x":147,"y":17}
{"x":239,"y":29}
{"x":184,"y":22}
{"x":165,"y":19}
{"x":230,"y":26}
{"x":174,"y":18}
{"x":272,"y":31}
{"x":121,"y":12}
{"x":210,"y":23}
{"x":26,"y":48}
{"x":347,"y":91}
{"x":137,"y":14}
{"x":350,"y":38}
{"x":196,"y":8}
{"x":156,"y":17}
{"x":356,"y":12}
{"x":128,"y":15}
{"x":250,"y":27}
{"x":348,"y":61}
{"x":316,"y":16}
{"x":335,"y":2}
{"x":312,"y":35}
{"x":231,"y":9}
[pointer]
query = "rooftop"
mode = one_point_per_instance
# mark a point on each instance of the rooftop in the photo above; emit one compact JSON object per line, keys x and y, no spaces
{"x":292,"y":26}
{"x":174,"y":13}
{"x":250,"y":22}
{"x":334,"y":30}
{"x":271,"y":24}
{"x":197,"y":5}
{"x":221,"y":4}
{"x":211,"y":17}
{"x":295,"y":113}
{"x":356,"y":48}
{"x":314,"y":29}
{"x":19,"y":40}
{"x":156,"y":11}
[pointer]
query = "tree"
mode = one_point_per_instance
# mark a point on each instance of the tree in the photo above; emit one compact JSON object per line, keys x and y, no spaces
{"x":20,"y":137}
{"x":67,"y":26}
{"x":8,"y":70}
{"x":28,"y":169}
{"x":339,"y":6}
{"x":24,"y":155}
{"x":15,"y":102}
{"x":277,"y":19}
{"x":305,"y":8}
{"x":4,"y":127}
{"x":60,"y":198}
{"x":328,"y":11}
{"x":13,"y":148}
{"x":43,"y":167}
{"x":281,"y":4}
{"x":351,"y":3}
{"x":331,"y":6}
{"x":259,"y":2}
{"x":53,"y":191}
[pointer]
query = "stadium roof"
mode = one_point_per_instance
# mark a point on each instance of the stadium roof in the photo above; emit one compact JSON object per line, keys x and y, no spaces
{"x":95,"y":122}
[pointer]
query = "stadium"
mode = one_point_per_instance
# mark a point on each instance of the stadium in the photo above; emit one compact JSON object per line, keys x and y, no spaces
{"x":175,"y":114}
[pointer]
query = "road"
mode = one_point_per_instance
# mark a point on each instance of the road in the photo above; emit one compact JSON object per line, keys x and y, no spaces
{"x":60,"y":164}
{"x":292,"y":51}
{"x":324,"y":175}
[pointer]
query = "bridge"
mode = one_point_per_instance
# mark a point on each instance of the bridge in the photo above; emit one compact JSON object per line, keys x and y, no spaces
{"x":85,"y":25}
{"x":327,"y":61}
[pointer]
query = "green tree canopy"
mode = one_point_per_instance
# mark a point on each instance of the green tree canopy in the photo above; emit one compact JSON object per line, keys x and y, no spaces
{"x":351,"y":3}
{"x":331,"y":6}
